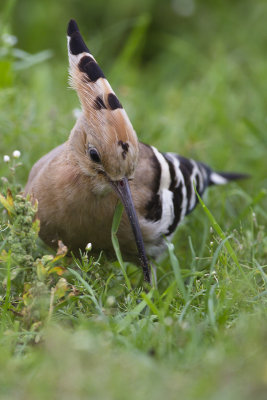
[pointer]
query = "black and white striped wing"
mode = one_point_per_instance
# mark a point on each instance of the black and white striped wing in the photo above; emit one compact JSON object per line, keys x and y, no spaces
{"x":175,"y":196}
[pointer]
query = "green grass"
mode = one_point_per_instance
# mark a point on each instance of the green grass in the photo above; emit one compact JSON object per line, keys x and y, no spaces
{"x":87,"y":327}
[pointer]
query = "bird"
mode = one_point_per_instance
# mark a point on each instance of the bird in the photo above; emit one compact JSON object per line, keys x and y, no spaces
{"x":78,"y":184}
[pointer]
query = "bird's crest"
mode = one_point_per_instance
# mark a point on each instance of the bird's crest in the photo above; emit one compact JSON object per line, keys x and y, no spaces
{"x":101,"y":107}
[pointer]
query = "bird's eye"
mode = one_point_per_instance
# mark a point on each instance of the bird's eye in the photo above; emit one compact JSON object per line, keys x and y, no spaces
{"x":93,"y":153}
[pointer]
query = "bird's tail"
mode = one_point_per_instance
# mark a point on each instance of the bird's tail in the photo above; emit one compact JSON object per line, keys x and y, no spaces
{"x":221,"y":178}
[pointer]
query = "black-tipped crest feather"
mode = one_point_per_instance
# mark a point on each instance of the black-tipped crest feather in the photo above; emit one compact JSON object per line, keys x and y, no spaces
{"x":76,"y":44}
{"x":72,"y":27}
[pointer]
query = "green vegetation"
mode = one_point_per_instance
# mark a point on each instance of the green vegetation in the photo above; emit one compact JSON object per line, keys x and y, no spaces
{"x":193,"y":79}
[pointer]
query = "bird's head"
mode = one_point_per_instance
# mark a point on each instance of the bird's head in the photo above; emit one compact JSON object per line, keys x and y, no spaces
{"x":108,"y":143}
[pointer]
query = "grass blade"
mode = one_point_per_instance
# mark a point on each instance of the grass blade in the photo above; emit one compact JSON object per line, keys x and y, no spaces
{"x":114,"y":229}
{"x":151,"y":305}
{"x":211,"y":312}
{"x":8,"y":283}
{"x":222,"y":235}
{"x":177,"y":271}
{"x":134,"y":313}
{"x":256,"y":199}
{"x":87,"y":287}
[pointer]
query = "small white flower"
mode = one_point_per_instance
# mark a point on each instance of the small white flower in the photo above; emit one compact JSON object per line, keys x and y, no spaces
{"x":88,"y":247}
{"x":10,"y":40}
{"x":168,"y":321}
{"x":184,"y":325}
{"x":6,"y":158}
{"x":76,"y":112}
{"x":16,"y":154}
{"x":111,"y":301}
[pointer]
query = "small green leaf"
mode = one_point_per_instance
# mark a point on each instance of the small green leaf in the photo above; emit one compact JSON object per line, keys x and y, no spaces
{"x":7,"y":202}
{"x":61,"y":288}
{"x":6,"y":74}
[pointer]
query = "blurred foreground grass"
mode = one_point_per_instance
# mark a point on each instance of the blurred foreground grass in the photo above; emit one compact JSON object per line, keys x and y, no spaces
{"x":194,"y":85}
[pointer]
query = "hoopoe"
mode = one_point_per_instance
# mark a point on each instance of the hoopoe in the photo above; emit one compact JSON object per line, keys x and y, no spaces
{"x":77,"y":184}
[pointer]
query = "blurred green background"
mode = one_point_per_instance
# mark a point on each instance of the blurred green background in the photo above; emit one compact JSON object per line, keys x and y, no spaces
{"x":191,"y":75}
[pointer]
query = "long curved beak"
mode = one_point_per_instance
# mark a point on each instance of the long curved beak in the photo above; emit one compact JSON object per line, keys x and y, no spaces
{"x":123,"y":190}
